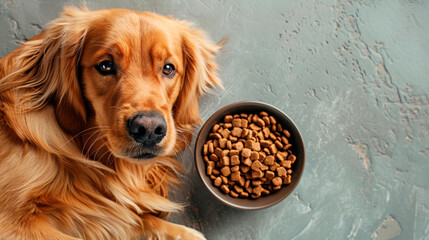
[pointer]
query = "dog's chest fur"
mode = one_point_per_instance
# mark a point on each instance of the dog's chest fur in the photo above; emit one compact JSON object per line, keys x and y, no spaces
{"x":77,"y":199}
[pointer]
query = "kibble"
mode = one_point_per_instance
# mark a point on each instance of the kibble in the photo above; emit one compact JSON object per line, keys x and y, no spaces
{"x":249,"y":155}
{"x":218,"y":181}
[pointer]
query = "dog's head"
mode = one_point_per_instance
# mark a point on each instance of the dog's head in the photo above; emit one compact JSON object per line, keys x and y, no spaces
{"x":136,"y":75}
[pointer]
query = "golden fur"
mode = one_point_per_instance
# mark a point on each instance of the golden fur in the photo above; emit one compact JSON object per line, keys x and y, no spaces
{"x":66,"y":161}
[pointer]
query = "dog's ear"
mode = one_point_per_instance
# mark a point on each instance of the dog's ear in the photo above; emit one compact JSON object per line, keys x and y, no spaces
{"x":68,"y":34}
{"x":46,"y":70}
{"x":199,"y":75}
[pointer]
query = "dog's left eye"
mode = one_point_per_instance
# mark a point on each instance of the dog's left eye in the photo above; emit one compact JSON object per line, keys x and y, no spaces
{"x":168,"y":70}
{"x":106,"y":68}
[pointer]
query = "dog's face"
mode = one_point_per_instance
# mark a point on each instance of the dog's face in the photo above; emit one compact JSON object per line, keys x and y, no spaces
{"x":132,"y":71}
{"x":140,"y":75}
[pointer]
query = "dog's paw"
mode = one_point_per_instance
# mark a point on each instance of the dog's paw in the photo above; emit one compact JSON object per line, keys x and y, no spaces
{"x":189,"y":234}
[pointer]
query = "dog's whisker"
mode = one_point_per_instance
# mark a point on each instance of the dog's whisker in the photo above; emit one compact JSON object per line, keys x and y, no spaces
{"x":90,"y":151}
{"x":184,"y":130}
{"x":101,"y":136}
{"x":181,"y":136}
{"x":108,"y":158}
{"x":82,"y":132}
{"x":99,"y":148}
{"x":184,"y":141}
{"x":110,"y":161}
{"x":108,"y":152}
{"x":89,"y":138}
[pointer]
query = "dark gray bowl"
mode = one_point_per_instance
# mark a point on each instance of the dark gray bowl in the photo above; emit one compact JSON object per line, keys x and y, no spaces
{"x":297,"y":149}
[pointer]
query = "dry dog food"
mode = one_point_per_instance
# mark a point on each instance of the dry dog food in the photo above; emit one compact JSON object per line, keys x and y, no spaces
{"x":248,"y":155}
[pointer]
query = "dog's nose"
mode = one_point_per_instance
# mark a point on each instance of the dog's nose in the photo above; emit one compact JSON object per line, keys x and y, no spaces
{"x":147,"y":128}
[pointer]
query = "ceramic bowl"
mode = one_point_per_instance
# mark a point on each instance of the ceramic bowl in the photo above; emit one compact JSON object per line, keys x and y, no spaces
{"x":297,"y":149}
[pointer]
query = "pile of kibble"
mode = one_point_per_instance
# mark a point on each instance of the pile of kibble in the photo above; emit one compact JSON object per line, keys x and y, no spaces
{"x":248,"y":155}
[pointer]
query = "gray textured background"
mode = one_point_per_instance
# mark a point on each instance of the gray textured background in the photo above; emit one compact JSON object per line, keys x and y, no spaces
{"x":353,"y":75}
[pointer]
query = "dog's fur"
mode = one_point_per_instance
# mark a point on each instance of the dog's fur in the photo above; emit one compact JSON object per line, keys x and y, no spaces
{"x":68,"y":167}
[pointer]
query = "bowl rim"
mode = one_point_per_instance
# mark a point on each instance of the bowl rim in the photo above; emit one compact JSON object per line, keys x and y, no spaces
{"x":202,"y":174}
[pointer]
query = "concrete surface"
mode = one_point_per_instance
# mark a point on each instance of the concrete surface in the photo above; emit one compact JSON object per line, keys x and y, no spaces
{"x":354,"y":77}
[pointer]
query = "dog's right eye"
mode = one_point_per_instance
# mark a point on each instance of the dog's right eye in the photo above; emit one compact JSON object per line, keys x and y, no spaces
{"x":106,"y":68}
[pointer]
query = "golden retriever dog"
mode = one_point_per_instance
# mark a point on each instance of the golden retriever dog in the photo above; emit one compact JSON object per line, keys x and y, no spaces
{"x":92,"y":111}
